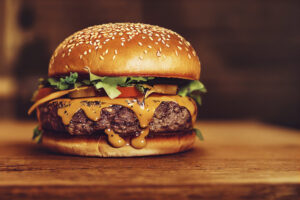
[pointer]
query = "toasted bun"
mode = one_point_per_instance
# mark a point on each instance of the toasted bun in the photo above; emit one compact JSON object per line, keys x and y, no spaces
{"x":98,"y":146}
{"x":126,"y":49}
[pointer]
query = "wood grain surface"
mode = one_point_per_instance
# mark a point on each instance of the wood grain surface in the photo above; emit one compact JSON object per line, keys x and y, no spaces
{"x":237,"y":160}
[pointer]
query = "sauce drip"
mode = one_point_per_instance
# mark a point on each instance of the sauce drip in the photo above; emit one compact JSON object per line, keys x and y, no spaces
{"x":144,"y":111}
{"x":114,"y":139}
{"x":140,"y":141}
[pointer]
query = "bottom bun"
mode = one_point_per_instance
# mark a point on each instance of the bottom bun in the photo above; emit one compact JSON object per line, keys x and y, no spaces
{"x":99,"y":147}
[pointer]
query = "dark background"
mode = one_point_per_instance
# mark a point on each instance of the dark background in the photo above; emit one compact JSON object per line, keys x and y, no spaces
{"x":249,"y":49}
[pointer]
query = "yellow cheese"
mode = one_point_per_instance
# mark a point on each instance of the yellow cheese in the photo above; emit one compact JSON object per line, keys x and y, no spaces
{"x":52,"y":96}
{"x":92,"y":106}
{"x":144,"y":109}
{"x":114,"y":139}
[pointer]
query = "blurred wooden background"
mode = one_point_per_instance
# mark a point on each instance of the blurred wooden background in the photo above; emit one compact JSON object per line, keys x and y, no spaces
{"x":250,"y":49}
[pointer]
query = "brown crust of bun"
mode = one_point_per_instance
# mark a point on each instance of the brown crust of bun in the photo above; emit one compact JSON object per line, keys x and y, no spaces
{"x":98,"y":146}
{"x":126,"y":49}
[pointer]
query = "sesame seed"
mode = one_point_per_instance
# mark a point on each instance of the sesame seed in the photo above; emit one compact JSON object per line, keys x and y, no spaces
{"x":194,"y":53}
{"x":63,"y":55}
{"x":141,"y":57}
{"x":125,"y":32}
{"x":114,"y":57}
{"x":158,"y":53}
{"x":101,"y":57}
{"x":189,"y":56}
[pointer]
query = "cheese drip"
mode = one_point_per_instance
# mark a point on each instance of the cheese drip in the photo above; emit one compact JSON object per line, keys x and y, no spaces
{"x":144,"y":110}
{"x":114,"y":139}
{"x":140,"y":141}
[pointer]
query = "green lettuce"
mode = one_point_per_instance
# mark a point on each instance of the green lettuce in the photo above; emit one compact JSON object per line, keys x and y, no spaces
{"x":64,"y":83}
{"x":199,"y":134}
{"x":193,"y":90}
{"x":37,"y":134}
{"x":109,"y":84}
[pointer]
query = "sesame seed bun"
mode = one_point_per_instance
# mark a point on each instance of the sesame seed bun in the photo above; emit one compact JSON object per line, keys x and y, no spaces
{"x":99,"y":146}
{"x":126,"y":49}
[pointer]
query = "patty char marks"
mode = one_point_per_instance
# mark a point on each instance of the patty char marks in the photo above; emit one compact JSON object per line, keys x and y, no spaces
{"x":168,"y":117}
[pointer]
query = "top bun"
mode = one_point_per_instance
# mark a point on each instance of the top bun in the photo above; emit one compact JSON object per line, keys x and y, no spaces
{"x":126,"y":49}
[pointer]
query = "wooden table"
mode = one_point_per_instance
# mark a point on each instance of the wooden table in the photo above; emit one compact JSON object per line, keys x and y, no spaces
{"x":237,"y":160}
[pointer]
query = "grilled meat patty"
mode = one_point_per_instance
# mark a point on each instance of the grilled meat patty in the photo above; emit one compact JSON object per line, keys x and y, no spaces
{"x":168,"y":116}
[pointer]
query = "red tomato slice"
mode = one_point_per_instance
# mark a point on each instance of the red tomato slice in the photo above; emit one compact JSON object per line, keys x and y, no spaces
{"x":125,"y":92}
{"x":129,"y":92}
{"x":43,"y":92}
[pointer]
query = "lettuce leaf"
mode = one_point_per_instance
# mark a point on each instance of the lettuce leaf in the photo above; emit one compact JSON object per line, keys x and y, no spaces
{"x":199,"y":134}
{"x":110,"y":84}
{"x":193,"y":90}
{"x":37,"y":134}
{"x":136,"y":79}
{"x":64,"y":83}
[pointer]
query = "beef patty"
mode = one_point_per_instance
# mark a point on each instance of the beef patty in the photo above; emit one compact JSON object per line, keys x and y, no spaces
{"x":168,"y":117}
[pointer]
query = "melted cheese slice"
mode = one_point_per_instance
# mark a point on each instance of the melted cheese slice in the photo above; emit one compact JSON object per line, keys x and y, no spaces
{"x":143,"y":108}
{"x":52,"y":96}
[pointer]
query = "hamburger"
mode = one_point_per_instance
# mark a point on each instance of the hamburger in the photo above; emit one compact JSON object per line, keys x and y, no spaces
{"x":120,"y":90}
